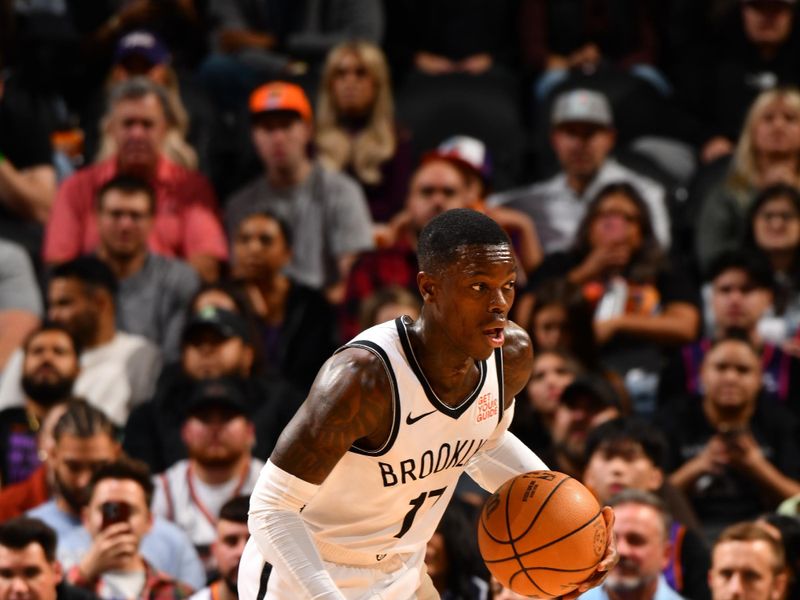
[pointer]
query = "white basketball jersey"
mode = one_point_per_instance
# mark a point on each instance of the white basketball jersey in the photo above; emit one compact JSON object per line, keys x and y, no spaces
{"x":391,"y":499}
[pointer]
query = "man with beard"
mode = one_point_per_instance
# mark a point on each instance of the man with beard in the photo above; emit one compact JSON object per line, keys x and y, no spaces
{"x":227,"y":548}
{"x":154,"y":290}
{"x":219,"y":436}
{"x":49,"y":368}
{"x":84,"y":440}
{"x":118,"y":370}
{"x":642,"y":529}
{"x":733,"y":452}
{"x":585,"y":403}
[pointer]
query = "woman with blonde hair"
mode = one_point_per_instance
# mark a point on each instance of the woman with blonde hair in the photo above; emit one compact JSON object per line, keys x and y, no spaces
{"x":768,"y":152}
{"x":356,"y":131}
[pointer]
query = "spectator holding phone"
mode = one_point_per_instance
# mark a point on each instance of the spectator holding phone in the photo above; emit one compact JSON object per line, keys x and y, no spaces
{"x":117,"y":517}
{"x":733,"y":454}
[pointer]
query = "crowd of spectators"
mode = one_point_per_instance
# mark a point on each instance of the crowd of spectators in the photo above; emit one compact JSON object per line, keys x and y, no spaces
{"x":201,"y":201}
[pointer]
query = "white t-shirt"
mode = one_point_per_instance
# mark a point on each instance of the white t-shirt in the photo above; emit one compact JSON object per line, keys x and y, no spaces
{"x":114,"y":377}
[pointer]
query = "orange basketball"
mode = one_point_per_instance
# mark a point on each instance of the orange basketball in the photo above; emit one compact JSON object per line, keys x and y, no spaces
{"x":542,"y":534}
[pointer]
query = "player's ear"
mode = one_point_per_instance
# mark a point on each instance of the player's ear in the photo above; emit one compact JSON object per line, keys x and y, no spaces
{"x":427,"y":285}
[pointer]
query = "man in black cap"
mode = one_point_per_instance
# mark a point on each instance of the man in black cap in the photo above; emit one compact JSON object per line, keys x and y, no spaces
{"x":216,"y":343}
{"x":219,"y":436}
{"x":585,"y":403}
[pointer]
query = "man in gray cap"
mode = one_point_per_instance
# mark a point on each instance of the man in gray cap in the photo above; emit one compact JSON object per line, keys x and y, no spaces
{"x":583,"y":136}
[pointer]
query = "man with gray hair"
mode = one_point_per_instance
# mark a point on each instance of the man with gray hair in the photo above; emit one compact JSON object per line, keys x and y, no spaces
{"x":582,"y":136}
{"x":185,"y":224}
{"x":642,"y":529}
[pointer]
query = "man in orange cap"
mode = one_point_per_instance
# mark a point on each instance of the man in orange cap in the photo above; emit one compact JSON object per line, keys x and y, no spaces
{"x":327,"y":211}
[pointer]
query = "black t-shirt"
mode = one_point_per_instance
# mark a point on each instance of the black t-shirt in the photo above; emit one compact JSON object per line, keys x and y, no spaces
{"x":18,"y":449}
{"x":23,"y":140}
{"x":638,"y":361}
{"x":731,"y":496}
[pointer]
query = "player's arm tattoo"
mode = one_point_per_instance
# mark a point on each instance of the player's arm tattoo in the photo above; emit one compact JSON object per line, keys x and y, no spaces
{"x":350,"y":400}
{"x":517,"y":360}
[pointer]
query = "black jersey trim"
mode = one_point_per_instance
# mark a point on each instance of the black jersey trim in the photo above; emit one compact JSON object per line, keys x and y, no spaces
{"x":451,"y":411}
{"x":498,"y":360}
{"x":263,"y":580}
{"x":381,"y":354}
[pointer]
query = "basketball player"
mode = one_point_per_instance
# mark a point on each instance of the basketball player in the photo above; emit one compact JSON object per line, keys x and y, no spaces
{"x":360,"y":477}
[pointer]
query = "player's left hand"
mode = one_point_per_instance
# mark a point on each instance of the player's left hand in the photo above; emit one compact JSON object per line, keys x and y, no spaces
{"x":605,"y":565}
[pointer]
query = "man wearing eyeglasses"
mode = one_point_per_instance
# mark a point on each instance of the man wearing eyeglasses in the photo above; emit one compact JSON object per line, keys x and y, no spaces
{"x":154,"y":290}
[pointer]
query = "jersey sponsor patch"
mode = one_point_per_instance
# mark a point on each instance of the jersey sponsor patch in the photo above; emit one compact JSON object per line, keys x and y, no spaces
{"x":488,"y":406}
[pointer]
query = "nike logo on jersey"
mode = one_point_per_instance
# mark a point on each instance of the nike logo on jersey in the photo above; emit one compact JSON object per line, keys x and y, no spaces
{"x":411,"y":420}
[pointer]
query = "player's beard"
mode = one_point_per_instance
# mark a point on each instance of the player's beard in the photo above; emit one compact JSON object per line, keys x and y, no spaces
{"x":47,"y":393}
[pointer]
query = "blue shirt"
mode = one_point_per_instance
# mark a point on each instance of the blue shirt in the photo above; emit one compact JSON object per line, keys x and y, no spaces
{"x":663,"y":592}
{"x":166,"y":547}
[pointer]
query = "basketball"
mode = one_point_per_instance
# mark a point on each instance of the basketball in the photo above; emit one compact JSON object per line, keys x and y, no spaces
{"x":542,"y":534}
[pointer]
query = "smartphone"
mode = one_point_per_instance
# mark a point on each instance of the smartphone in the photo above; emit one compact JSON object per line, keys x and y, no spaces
{"x":114,"y":512}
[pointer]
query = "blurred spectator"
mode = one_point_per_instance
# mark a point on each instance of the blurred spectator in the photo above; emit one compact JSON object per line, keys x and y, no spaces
{"x":255,"y":42}
{"x":84,"y":440}
{"x":144,"y":53}
{"x":773,"y":229}
{"x":583,"y":136}
{"x":733,"y":454}
{"x":118,"y":370}
{"x":117,"y":517}
{"x":471,"y":157}
{"x":154,"y":290}
{"x":28,"y":565}
{"x":20,"y":298}
{"x":740,"y":294}
{"x":49,"y":369}
{"x":557,"y":315}
{"x":296,"y":324}
{"x":326,"y":211}
{"x":216,"y":343}
{"x":585,"y":403}
{"x":755,"y":48}
{"x":747,"y":562}
{"x":186,"y":223}
{"x":387,"y":304}
{"x":786,"y":529}
{"x":227,"y":548}
{"x":641,"y":303}
{"x":219,"y":435}
{"x":455,"y":65}
{"x":436,"y":185}
{"x":586,"y":36}
{"x":629,"y":453}
{"x":452,"y":558}
{"x":767,"y":152}
{"x":356,"y":128}
{"x":641,"y":527}
{"x":18,"y":498}
{"x":450,"y":37}
{"x":536,"y":408}
{"x":27,"y":175}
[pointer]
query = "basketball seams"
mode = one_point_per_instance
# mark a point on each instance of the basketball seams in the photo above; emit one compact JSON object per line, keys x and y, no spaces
{"x":539,"y":512}
{"x":511,"y":537}
{"x":510,"y":568}
{"x":548,"y":544}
